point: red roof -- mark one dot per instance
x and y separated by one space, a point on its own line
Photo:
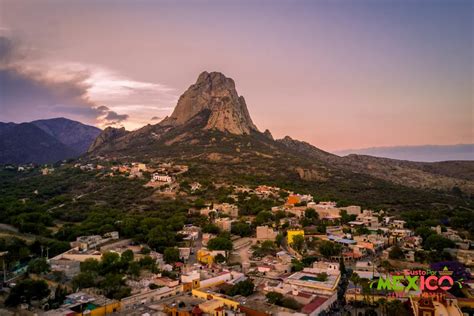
304 294
318 301
196 310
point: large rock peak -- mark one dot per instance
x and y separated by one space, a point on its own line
215 92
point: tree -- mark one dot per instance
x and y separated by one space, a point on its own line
322 277
396 253
241 228
114 286
311 213
355 279
244 288
134 269
26 291
342 266
210 229
279 239
362 230
38 266
438 243
396 308
274 298
110 262
290 303
147 262
329 249
424 232
84 280
382 302
127 256
219 258
91 265
263 218
220 243
298 242
296 265
171 255
346 218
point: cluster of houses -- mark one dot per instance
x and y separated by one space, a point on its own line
201 279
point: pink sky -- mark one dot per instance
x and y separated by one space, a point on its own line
336 74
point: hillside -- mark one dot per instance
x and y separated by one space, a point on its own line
71 133
232 149
44 141
25 143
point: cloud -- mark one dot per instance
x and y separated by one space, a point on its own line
156 118
33 89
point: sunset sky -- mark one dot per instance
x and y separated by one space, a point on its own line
338 74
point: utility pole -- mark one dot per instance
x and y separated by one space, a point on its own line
2 254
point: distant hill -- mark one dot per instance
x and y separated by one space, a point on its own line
424 153
74 134
44 141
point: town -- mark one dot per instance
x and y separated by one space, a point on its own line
294 255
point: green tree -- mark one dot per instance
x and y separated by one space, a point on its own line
296 265
84 280
90 265
171 255
127 256
290 303
219 258
329 249
244 288
279 239
298 243
242 229
38 266
355 279
26 291
134 269
210 229
263 218
396 253
322 277
424 232
274 298
438 243
311 213
396 308
110 262
114 286
220 243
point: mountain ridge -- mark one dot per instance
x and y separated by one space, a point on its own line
44 141
420 153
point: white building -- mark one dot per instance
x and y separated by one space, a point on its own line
161 178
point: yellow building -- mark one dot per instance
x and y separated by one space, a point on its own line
205 256
292 234
84 304
215 296
109 308
213 307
